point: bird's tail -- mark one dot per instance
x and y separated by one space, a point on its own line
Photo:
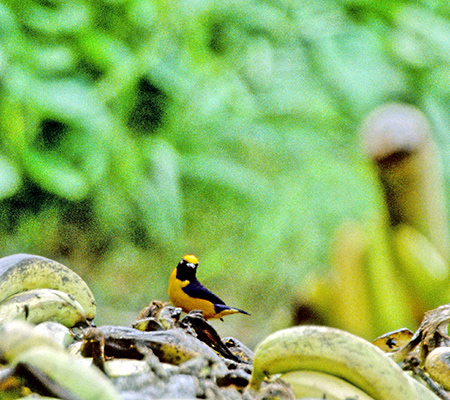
241 311
222 310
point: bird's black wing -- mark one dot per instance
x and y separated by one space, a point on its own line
197 290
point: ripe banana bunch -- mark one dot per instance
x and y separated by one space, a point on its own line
37 289
324 362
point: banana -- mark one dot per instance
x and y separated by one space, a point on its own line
351 308
58 332
85 382
335 352
322 386
41 305
438 366
422 265
22 272
389 295
21 343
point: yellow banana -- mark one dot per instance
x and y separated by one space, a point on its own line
41 305
422 264
335 352
389 296
351 308
22 272
320 385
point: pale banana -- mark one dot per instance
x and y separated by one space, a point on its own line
58 332
22 272
85 382
322 386
335 352
21 343
39 305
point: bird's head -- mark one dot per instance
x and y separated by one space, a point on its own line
187 267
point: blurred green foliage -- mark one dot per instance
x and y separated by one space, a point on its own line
135 131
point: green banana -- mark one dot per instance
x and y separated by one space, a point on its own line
41 305
422 265
322 386
22 272
335 352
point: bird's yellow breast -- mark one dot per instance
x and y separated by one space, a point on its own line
187 303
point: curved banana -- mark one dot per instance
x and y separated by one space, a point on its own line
41 305
85 382
322 386
22 272
20 342
335 352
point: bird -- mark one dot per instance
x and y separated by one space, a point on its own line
186 292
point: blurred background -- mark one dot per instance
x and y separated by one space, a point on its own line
133 132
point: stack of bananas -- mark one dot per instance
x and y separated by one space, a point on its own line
387 271
36 289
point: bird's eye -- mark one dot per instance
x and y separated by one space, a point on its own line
191 265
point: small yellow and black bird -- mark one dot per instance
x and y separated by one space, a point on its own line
186 292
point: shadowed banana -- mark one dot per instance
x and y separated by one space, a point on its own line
21 343
322 386
387 292
351 306
22 272
335 352
437 364
41 305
